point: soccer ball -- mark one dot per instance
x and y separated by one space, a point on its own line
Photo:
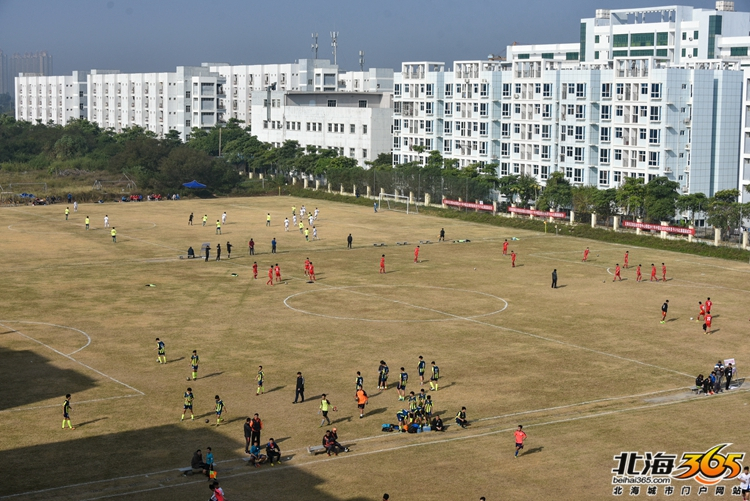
335 409
475 269
206 420
188 379
691 318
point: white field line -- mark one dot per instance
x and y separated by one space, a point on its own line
73 359
88 339
405 446
536 336
78 402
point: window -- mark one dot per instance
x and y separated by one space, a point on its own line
606 112
618 132
644 89
483 110
428 92
580 111
642 40
482 129
654 136
581 90
505 130
483 147
695 35
604 134
518 88
364 153
578 175
606 91
504 169
517 109
653 158
641 156
738 51
545 172
428 108
644 111
364 129
352 129
604 156
506 109
618 111
187 124
580 134
363 103
448 90
578 154
618 156
655 91
396 125
604 177
428 126
330 127
545 152
397 89
447 146
620 89
516 148
331 103
545 131
537 88
449 109
547 111
695 52
620 41
506 90
516 128
683 52
596 38
352 152
655 115
642 134
662 38
187 94
448 127
505 149
684 35
547 90
265 124
187 108
484 90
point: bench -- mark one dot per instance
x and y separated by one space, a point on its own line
425 242
315 449
190 471
402 243
463 241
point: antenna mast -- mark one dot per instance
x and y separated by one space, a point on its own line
334 44
361 60
315 44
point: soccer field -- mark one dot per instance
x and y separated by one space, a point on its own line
587 368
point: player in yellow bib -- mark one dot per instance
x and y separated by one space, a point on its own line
113 232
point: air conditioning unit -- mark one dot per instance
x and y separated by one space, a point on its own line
686 121
690 38
619 97
516 96
690 55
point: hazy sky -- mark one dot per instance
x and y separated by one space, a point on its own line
158 35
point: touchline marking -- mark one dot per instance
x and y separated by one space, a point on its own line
72 359
78 402
407 446
88 339
346 287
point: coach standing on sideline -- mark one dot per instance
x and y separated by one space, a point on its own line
349 241
554 278
299 391
248 434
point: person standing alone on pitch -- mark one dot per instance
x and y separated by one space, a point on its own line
113 233
638 275
325 406
190 219
513 259
663 272
218 227
260 378
161 351
299 391
205 219
416 254
520 436
382 263
709 304
442 235
194 361
67 213
627 259
585 255
277 272
106 221
617 273
420 369
273 245
229 250
664 309
554 278
349 241
361 399
251 247
505 247
66 413
87 222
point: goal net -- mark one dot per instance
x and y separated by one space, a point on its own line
399 203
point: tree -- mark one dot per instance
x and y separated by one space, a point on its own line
384 161
660 199
519 188
691 204
558 193
585 199
631 196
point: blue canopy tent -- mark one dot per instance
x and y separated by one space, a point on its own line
194 184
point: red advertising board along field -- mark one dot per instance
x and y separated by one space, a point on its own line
540 213
468 205
658 227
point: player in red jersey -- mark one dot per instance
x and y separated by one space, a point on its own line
277 270
701 311
270 276
307 266
627 258
653 273
638 276
585 254
513 259
617 273
255 269
416 254
382 263
663 272
505 247
707 323
520 436
709 304
311 270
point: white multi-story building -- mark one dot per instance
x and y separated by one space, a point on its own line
356 124
160 102
306 75
55 99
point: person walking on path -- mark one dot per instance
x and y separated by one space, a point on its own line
554 278
299 391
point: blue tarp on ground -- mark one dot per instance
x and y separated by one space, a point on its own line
194 184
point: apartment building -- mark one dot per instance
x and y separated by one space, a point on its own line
356 124
29 63
160 102
306 75
55 99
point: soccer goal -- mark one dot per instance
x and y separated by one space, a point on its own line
399 203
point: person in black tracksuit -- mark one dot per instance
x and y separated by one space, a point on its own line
248 434
349 241
300 388
554 278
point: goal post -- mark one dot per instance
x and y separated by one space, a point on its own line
398 203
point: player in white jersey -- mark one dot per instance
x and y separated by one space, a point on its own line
286 224
106 221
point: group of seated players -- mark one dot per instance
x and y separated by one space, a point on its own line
419 414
